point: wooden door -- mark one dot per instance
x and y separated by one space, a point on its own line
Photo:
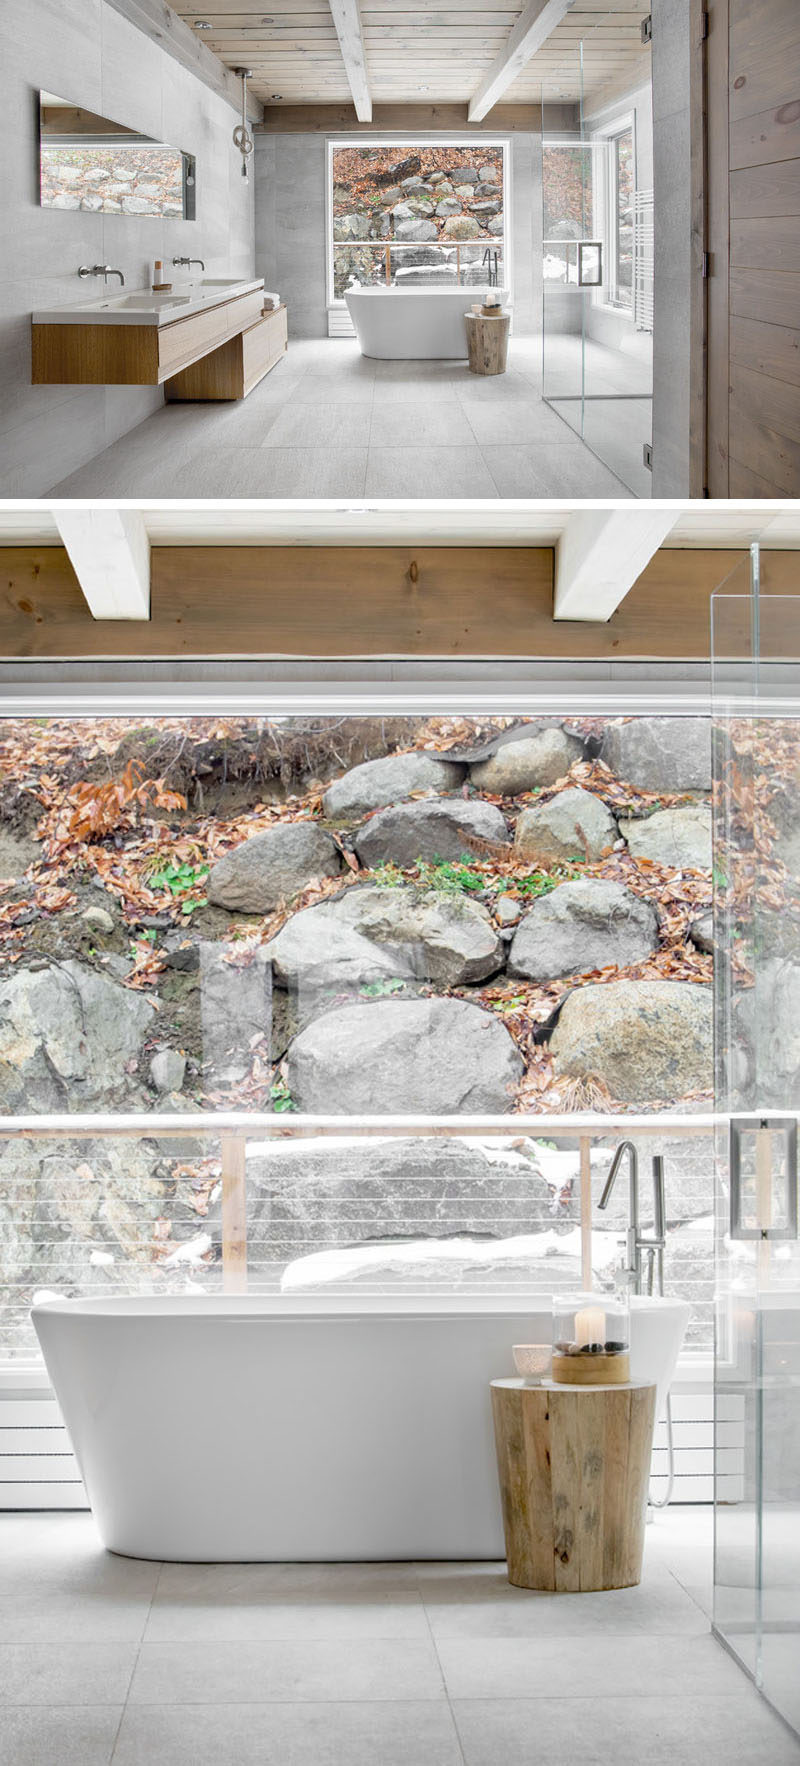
753 167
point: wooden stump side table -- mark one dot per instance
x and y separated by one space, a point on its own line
487 343
574 1466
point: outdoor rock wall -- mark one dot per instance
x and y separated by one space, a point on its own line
472 918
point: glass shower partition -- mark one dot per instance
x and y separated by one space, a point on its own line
756 679
597 271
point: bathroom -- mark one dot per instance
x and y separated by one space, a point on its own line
397 1062
598 226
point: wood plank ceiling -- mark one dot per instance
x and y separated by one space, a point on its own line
422 51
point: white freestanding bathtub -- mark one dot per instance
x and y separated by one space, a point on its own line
249 1429
412 324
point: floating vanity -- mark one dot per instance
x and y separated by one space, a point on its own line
147 339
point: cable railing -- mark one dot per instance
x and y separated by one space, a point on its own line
392 263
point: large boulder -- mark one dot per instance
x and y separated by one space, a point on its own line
446 939
572 825
236 1007
525 759
583 926
67 1034
273 867
318 953
660 753
397 1057
680 837
378 782
306 1196
436 827
648 1041
461 227
416 230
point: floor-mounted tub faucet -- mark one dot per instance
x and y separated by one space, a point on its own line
637 1244
186 263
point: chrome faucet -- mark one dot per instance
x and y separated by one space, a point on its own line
637 1244
186 263
103 270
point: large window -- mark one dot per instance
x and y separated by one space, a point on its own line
408 213
345 917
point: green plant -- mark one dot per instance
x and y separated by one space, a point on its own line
388 876
536 883
280 1097
377 989
178 879
448 878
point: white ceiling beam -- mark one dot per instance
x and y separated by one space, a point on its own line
349 30
110 554
600 554
531 30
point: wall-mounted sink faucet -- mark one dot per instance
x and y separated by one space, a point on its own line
103 270
637 1244
186 263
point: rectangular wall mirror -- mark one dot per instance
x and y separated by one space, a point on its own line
87 162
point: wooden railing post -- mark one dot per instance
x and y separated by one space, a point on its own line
234 1214
586 1212
388 259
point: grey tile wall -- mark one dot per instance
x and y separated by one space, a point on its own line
83 50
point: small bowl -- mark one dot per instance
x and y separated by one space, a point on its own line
533 1361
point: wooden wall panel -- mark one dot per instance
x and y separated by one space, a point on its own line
452 602
754 233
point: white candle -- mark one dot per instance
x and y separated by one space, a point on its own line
590 1327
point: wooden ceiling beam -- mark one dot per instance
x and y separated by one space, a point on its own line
531 30
349 30
109 551
159 22
600 555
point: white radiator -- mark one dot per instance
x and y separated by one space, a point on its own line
340 323
643 258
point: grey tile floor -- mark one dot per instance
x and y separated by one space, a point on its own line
328 422
106 1659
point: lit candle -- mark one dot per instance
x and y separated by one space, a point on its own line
590 1327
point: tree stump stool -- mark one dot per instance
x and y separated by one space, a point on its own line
487 343
574 1465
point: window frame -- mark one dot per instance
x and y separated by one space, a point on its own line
333 143
605 181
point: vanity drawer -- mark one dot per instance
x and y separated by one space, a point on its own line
262 346
232 370
185 339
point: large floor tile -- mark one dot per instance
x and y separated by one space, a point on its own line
287 1735
334 389
58 1584
428 472
420 423
272 472
516 420
544 1667
538 470
478 1601
715 1731
246 1673
65 1673
204 1602
58 1736
490 389
337 427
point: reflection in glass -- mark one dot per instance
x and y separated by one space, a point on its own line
89 163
